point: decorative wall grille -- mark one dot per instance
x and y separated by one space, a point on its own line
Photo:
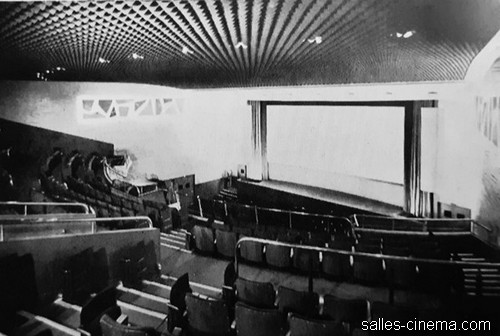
120 108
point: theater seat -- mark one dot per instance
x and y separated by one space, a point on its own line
252 251
204 239
226 242
299 302
252 321
301 326
207 316
368 270
103 303
257 294
112 328
351 311
337 266
177 305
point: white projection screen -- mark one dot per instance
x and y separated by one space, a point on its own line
357 150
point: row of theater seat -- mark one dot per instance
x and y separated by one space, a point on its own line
243 215
258 309
340 267
107 204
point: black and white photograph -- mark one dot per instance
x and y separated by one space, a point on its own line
249 167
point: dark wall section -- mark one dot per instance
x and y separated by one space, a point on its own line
208 190
31 146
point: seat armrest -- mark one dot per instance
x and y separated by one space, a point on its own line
83 332
122 319
171 306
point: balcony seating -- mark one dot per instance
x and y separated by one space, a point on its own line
257 294
252 321
207 316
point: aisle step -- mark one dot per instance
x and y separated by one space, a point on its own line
142 299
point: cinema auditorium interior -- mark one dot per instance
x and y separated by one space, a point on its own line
249 167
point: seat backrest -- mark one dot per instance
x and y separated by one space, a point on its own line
92 311
226 242
300 302
204 238
301 326
207 316
112 328
252 321
353 311
258 294
179 290
278 256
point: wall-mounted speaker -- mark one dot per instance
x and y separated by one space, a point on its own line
242 171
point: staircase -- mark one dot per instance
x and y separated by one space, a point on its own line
479 281
228 194
175 239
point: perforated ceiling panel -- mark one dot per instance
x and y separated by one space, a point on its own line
218 43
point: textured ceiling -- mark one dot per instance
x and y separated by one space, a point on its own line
219 43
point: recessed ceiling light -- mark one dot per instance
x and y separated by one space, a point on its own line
186 51
317 39
137 56
102 60
240 45
408 34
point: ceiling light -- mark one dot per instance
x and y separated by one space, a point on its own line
241 45
408 34
102 60
317 39
185 50
137 56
